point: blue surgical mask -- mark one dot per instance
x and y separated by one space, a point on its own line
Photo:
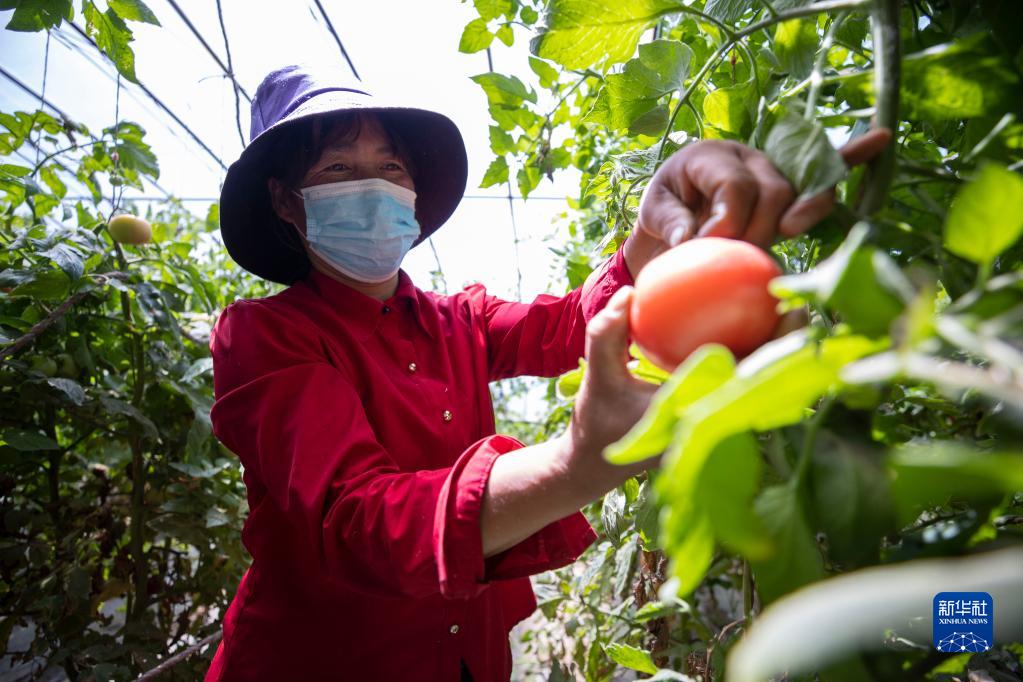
363 228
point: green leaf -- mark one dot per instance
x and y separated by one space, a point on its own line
568 384
631 657
527 179
725 491
506 35
690 543
850 499
113 406
475 37
612 515
493 9
501 142
14 171
497 173
945 82
133 10
506 90
986 216
112 36
47 285
795 560
929 475
72 390
647 514
135 154
548 74
642 368
795 45
584 33
701 373
68 258
27 441
730 109
729 11
801 151
38 15
660 69
48 174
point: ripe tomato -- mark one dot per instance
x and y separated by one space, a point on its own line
706 290
129 229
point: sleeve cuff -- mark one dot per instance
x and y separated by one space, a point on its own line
457 538
462 570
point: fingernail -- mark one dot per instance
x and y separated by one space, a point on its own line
677 235
719 210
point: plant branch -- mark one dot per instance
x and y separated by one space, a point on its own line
42 325
887 79
179 657
48 321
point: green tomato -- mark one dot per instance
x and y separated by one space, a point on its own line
129 229
45 365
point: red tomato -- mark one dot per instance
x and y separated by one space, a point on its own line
706 290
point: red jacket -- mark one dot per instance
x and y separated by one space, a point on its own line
366 432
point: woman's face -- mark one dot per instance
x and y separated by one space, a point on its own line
371 154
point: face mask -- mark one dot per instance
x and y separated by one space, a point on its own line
363 228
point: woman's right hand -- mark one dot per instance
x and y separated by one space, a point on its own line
609 402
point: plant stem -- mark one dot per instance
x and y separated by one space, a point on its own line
817 76
136 530
887 80
747 592
810 439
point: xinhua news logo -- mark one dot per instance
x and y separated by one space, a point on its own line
963 622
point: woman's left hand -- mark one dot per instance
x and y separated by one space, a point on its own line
726 189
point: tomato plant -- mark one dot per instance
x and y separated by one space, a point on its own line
870 440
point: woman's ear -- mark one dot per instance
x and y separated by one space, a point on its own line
286 204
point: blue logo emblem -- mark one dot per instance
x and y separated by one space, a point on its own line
963 622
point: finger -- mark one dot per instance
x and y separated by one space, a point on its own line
806 213
663 215
774 196
607 340
865 147
731 190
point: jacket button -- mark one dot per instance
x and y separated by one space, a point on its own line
447 416
412 368
386 309
453 629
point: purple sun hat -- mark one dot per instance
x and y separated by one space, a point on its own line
249 226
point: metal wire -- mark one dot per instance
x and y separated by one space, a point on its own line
228 71
337 39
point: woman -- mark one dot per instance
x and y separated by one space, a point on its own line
392 532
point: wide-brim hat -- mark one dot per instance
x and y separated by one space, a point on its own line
248 223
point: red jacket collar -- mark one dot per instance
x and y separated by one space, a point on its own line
365 311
